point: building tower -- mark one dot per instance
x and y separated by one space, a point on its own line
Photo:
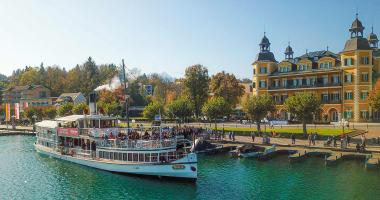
289 52
372 39
357 67
264 64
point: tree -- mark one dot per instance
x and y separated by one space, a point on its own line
196 84
50 112
227 86
80 109
258 106
153 109
181 108
215 108
374 97
33 111
65 109
29 77
109 102
305 106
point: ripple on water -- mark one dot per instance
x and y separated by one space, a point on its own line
27 175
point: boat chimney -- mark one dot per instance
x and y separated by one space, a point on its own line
92 103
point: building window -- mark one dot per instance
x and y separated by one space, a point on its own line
325 97
348 78
303 67
254 71
335 97
263 70
348 96
325 80
364 114
294 82
348 61
348 114
365 60
277 83
262 84
253 84
284 83
365 77
335 79
364 95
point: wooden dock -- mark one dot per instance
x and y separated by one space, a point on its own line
330 155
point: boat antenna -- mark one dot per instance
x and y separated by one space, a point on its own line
125 95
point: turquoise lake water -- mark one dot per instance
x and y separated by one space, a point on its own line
24 174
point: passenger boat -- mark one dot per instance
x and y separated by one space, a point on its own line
97 141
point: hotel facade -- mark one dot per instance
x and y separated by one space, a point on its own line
341 80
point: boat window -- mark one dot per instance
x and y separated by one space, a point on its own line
135 157
141 157
163 157
129 156
111 156
106 155
100 154
147 157
153 157
125 156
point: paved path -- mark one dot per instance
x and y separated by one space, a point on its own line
299 142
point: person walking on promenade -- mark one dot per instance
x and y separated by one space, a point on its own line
253 136
233 136
293 137
309 138
230 135
315 136
363 140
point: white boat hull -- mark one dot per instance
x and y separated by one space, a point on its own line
187 165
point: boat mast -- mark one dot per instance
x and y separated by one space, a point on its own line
125 95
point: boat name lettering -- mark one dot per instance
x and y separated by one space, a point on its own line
67 132
178 166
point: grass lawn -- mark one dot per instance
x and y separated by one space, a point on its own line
278 130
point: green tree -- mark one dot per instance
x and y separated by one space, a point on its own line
374 97
50 112
305 106
153 109
227 86
33 111
65 109
81 109
257 107
215 108
110 108
196 84
181 108
29 77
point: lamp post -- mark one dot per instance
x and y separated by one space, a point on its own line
34 117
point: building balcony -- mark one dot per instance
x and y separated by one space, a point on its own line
331 101
317 85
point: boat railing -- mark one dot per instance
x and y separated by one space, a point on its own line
75 152
137 144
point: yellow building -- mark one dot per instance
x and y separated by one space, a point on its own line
342 81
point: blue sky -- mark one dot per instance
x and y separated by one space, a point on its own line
169 35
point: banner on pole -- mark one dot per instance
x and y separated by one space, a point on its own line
7 112
17 111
